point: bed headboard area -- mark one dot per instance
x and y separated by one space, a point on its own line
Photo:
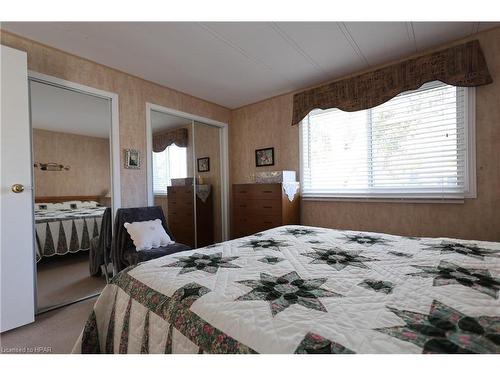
83 198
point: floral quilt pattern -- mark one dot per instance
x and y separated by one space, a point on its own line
445 330
305 290
286 290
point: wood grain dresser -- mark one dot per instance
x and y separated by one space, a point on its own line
257 207
180 217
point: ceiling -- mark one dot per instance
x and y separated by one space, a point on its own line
238 63
57 109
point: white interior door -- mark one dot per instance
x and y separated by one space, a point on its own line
17 300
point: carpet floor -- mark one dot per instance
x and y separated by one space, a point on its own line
65 278
60 279
55 331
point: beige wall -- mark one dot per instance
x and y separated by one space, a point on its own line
267 123
88 158
133 94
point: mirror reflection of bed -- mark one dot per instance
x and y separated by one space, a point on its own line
72 191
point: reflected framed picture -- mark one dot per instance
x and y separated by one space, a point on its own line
264 157
132 159
203 164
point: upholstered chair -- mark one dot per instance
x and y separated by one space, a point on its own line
123 251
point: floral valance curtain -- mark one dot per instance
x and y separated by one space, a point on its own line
176 136
461 65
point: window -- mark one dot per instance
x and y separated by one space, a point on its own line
417 145
168 164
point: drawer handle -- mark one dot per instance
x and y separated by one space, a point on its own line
267 191
268 222
243 205
267 207
242 191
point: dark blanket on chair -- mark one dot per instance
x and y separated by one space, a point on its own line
123 251
101 246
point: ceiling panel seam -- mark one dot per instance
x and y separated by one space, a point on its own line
243 52
343 27
292 42
411 34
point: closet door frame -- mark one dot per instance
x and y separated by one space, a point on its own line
114 148
224 152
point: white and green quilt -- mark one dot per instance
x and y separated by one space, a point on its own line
297 289
63 231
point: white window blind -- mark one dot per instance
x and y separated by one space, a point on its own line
168 164
416 145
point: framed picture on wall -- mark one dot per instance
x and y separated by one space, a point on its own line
264 157
132 159
203 164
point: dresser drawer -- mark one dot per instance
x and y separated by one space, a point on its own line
180 215
259 207
180 229
180 205
180 193
180 189
183 235
257 191
180 198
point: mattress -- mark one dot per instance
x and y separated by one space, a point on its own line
63 231
298 289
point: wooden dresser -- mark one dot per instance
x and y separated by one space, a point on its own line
180 216
257 207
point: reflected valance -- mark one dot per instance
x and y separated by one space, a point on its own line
461 65
162 140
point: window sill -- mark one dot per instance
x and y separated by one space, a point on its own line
426 200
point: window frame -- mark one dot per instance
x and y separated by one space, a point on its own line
470 188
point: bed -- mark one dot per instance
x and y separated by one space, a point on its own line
64 225
298 289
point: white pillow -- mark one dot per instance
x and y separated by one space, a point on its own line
88 204
57 207
75 204
148 235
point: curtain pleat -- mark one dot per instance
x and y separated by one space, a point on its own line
162 140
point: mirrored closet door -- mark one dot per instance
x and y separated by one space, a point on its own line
187 177
208 184
72 192
173 173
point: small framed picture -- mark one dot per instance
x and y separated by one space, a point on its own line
132 159
203 164
264 157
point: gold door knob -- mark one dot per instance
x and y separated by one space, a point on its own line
17 188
